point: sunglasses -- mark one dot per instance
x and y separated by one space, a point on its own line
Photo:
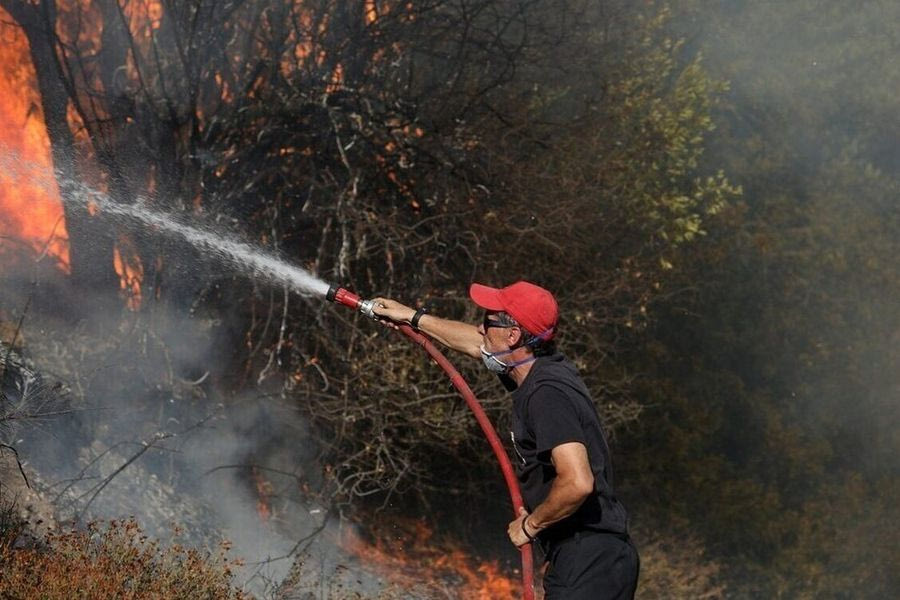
488 322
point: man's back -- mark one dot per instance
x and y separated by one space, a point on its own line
590 554
551 407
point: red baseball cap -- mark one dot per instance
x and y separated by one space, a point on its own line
533 307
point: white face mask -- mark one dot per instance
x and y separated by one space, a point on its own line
492 363
495 365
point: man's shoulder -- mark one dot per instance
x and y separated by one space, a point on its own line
554 366
552 378
558 386
557 371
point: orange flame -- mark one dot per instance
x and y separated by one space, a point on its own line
263 493
30 206
337 79
371 11
413 556
128 266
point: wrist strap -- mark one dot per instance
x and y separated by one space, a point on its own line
414 322
531 538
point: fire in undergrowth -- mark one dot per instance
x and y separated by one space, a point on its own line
412 558
264 490
31 212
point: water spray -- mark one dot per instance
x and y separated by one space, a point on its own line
339 295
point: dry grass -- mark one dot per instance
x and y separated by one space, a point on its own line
111 561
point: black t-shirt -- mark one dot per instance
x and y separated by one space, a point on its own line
552 407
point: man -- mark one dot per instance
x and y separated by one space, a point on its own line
562 458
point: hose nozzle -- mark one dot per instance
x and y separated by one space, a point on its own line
351 300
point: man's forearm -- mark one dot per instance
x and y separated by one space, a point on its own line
456 335
563 500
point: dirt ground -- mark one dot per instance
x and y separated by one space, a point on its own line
30 506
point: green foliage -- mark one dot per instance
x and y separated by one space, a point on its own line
658 113
771 406
600 209
771 381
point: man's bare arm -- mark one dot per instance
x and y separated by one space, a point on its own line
574 482
456 335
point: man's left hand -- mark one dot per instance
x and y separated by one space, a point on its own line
516 533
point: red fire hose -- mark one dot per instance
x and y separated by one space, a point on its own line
353 301
493 439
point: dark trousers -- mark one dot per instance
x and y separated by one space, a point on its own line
591 566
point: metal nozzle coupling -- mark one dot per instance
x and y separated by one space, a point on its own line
367 307
351 300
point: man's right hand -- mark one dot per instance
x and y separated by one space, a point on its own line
393 312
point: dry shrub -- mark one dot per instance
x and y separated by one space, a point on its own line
114 561
676 565
11 524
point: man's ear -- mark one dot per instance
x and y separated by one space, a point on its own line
514 337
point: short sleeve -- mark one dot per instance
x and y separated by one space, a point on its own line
555 419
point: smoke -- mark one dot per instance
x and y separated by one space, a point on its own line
805 298
808 129
139 440
143 426
818 73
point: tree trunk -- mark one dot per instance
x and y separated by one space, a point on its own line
90 242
